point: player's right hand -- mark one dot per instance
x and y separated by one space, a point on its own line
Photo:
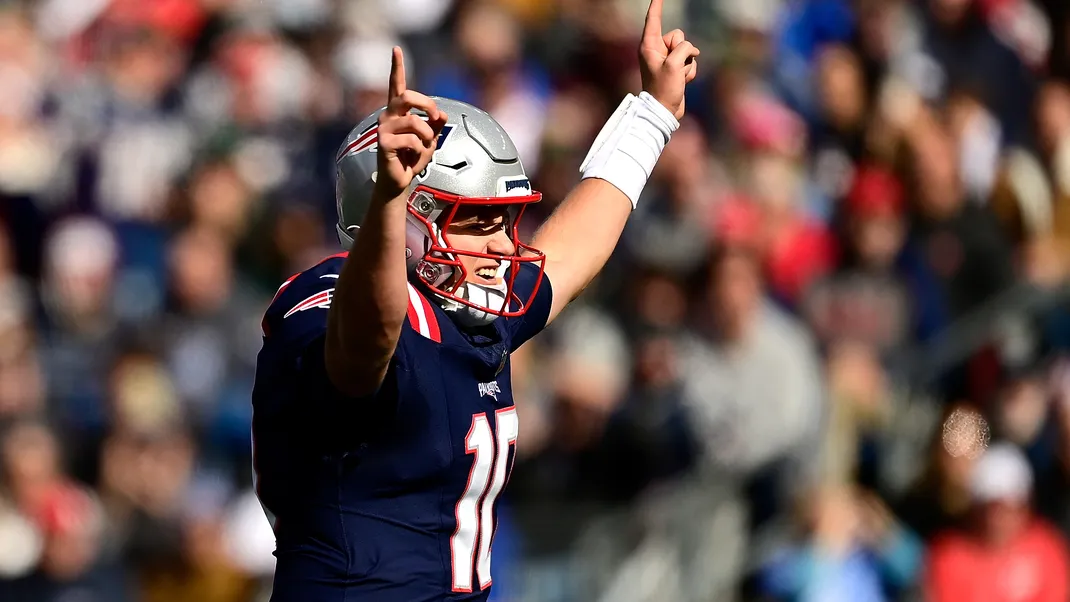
406 141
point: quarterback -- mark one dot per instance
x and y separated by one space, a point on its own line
384 427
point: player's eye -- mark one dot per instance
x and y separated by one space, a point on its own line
492 225
482 224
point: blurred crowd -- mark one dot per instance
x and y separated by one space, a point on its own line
827 362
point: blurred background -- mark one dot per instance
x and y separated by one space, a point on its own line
828 361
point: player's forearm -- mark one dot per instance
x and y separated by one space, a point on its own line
580 236
370 301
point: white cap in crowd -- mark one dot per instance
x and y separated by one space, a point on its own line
1001 474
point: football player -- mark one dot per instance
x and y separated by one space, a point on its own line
384 426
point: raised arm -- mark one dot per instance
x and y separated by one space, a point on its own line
371 295
583 231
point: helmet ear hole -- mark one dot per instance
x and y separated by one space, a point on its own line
423 203
431 272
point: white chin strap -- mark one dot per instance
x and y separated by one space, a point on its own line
491 297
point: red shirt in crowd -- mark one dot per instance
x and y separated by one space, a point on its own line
1035 567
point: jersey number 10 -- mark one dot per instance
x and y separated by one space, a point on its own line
475 509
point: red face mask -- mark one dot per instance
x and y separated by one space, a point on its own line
442 257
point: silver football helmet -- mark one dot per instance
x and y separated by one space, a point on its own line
475 163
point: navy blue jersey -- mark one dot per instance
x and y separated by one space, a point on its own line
389 497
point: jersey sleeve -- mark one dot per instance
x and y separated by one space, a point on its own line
298 413
531 323
295 328
297 315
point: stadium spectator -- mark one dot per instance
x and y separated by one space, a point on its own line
1007 553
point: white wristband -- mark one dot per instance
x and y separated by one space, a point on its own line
629 145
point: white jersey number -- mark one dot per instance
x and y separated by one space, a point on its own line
475 509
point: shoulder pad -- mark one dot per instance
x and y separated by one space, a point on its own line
308 292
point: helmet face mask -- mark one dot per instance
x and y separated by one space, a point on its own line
475 165
439 267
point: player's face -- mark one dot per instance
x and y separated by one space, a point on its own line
482 229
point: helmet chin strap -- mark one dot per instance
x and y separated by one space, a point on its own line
491 297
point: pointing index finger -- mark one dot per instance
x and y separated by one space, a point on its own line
652 28
397 74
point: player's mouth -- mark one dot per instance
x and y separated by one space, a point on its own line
487 275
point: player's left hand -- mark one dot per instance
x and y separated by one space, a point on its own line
667 62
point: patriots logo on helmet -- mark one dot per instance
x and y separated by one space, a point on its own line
445 133
321 300
368 140
446 129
